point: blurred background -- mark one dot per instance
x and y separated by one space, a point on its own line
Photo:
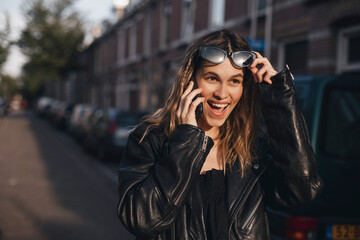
77 75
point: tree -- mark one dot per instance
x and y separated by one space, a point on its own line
53 35
4 41
8 86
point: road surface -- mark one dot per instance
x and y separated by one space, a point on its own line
50 188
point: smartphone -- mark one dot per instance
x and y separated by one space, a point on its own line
200 107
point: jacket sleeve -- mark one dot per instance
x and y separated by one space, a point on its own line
155 176
291 179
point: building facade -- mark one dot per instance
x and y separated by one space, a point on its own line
133 65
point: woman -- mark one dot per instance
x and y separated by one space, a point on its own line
192 174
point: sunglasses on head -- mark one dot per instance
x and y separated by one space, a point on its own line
217 55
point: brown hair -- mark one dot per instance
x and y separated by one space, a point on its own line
238 133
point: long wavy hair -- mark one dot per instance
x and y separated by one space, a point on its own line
237 135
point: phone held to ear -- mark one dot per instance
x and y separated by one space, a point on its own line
200 107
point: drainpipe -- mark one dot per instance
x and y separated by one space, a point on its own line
148 66
268 28
254 17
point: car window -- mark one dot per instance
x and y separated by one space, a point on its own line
341 123
304 101
302 93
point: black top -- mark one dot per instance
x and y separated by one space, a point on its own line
214 205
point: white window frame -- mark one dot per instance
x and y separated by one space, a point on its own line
217 13
166 9
342 50
187 19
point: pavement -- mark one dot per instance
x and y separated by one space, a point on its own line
50 188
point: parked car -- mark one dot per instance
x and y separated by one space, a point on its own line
331 106
62 116
43 105
85 122
52 110
75 119
115 138
3 107
98 131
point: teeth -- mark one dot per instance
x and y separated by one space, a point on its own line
219 105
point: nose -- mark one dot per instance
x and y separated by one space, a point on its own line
221 91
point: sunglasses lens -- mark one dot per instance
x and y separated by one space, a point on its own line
243 59
212 54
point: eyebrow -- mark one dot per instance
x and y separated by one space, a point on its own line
233 76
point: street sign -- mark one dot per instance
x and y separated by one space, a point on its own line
256 44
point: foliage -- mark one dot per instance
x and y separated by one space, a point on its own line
4 41
53 35
8 86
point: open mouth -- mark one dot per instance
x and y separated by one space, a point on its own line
217 107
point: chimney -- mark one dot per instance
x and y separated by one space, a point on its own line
119 7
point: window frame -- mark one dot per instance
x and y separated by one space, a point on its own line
324 116
166 9
342 50
281 50
212 21
187 19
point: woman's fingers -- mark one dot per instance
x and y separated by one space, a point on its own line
191 116
186 109
190 97
262 69
183 96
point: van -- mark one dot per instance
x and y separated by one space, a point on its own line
331 107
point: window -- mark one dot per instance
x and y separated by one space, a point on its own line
164 30
132 40
256 7
341 122
217 13
147 32
348 50
121 45
262 4
187 26
295 55
354 49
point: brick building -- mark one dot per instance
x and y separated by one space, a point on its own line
133 64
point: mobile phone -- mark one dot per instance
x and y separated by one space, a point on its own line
200 107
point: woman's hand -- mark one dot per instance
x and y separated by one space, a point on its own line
265 72
186 108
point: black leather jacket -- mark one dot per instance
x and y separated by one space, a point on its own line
157 175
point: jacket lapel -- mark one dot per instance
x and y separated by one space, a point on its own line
238 187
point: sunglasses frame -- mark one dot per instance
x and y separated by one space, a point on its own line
226 54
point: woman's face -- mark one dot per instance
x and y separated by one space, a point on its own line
222 88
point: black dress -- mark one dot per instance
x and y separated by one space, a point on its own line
213 197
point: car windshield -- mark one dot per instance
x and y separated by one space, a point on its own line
341 120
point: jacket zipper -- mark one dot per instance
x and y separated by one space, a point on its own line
202 150
251 215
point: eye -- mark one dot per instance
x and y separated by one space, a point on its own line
235 81
211 78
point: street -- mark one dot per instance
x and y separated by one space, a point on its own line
50 188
